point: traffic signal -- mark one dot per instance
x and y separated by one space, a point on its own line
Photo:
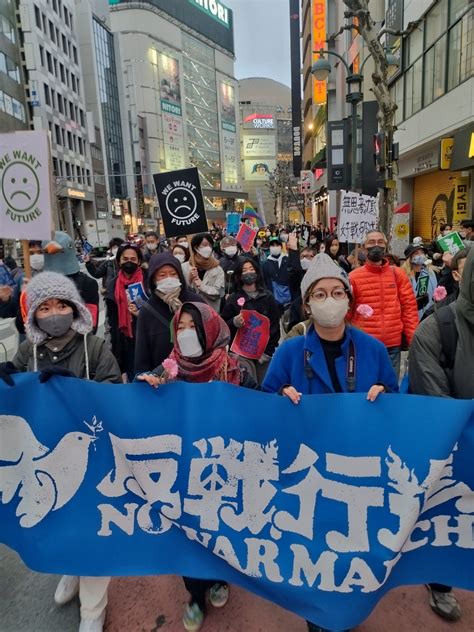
380 150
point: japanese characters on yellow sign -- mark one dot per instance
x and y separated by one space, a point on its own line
319 37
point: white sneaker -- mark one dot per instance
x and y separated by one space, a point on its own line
92 625
67 589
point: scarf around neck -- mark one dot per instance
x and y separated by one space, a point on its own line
121 298
205 264
171 299
215 363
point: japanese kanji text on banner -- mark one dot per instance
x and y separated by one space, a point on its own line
25 186
358 214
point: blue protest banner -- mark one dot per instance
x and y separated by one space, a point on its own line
320 507
233 223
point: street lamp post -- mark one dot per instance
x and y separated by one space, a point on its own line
321 70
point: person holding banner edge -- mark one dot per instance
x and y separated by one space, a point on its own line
332 357
200 355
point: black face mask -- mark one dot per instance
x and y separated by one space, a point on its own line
129 267
249 278
375 253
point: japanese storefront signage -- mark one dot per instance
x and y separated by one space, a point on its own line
319 42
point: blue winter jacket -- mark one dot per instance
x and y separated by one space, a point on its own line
287 367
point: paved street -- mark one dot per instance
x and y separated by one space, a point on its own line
156 603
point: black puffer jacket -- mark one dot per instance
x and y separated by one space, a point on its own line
153 337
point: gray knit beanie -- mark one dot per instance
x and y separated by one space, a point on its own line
323 267
45 286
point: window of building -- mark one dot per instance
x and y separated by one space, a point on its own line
58 36
52 34
55 6
61 72
37 17
461 51
66 16
7 28
60 104
55 64
47 95
63 133
41 50
64 43
55 166
68 169
82 118
73 81
67 78
57 132
45 24
69 140
53 98
74 54
49 62
18 110
81 151
436 22
78 83
435 71
71 110
413 88
88 178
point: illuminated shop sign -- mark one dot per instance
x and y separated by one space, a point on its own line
260 121
215 9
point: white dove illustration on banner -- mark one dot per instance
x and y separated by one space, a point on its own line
45 479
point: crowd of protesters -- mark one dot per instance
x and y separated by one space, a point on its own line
325 303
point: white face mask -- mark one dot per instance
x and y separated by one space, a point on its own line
113 252
184 243
205 251
180 257
305 263
313 241
152 246
275 251
329 313
284 237
37 262
168 285
189 344
230 251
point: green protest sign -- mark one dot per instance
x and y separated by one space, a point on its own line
451 243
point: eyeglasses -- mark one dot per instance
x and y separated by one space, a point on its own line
319 296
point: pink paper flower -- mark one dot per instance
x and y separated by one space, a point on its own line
365 311
171 368
440 293
241 301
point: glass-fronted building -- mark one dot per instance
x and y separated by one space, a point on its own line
178 66
13 114
110 105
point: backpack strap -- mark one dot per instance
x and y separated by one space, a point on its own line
449 335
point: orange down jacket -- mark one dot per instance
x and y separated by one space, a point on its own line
388 291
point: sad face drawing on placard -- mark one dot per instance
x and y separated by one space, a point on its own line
20 186
181 203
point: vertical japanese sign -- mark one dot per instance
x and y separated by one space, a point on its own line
173 140
229 137
394 22
357 215
25 186
170 87
319 41
296 84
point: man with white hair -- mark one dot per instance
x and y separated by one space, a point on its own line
229 261
388 291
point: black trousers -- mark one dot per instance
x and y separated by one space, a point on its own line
197 588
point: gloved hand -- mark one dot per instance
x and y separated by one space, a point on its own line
7 369
48 373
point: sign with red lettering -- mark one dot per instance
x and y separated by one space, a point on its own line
246 237
252 339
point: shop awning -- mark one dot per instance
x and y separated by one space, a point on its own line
463 150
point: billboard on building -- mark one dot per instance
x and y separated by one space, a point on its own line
296 85
319 42
211 18
259 120
259 169
227 107
230 159
173 140
170 87
255 145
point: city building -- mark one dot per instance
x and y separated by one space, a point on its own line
267 135
13 111
100 62
180 97
434 91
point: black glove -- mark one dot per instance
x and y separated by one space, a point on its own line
7 369
48 373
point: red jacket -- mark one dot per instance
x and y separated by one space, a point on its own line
388 291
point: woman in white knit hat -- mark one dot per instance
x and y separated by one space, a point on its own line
332 357
59 340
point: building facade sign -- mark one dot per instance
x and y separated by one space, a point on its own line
319 42
463 150
446 151
170 87
215 9
259 170
228 107
256 145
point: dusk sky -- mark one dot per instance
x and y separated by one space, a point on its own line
262 38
